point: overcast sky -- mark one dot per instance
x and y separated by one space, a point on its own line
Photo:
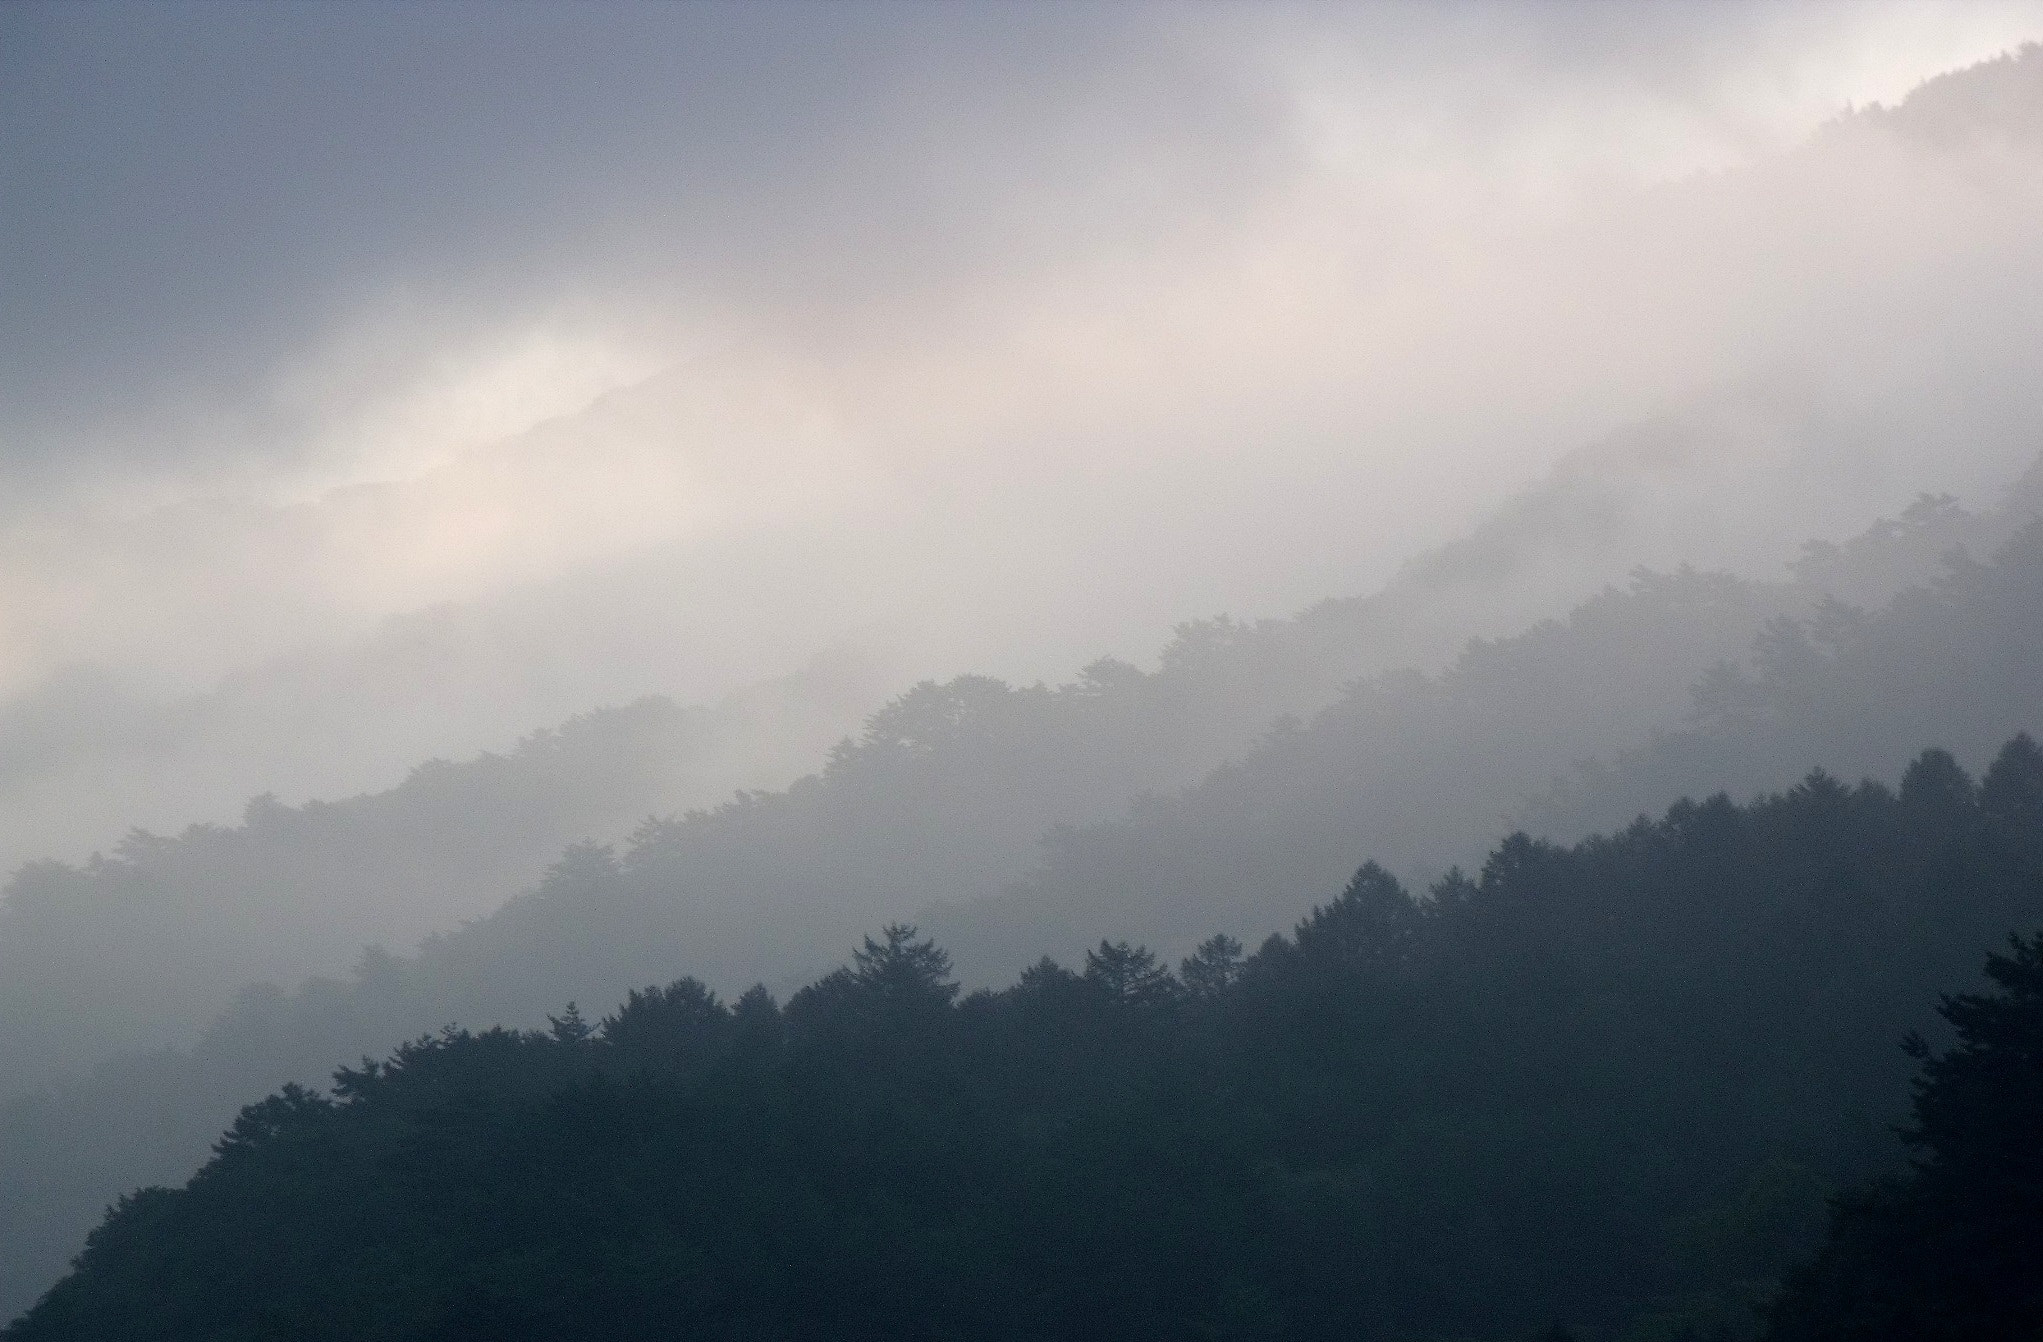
704 338
201 200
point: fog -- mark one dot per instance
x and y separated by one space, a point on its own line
385 384
509 503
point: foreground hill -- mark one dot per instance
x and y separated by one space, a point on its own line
946 796
1607 1083
1948 1251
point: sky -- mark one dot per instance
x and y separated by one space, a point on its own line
385 381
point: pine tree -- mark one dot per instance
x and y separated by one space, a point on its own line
1952 1251
1129 973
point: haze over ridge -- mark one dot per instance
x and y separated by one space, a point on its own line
1012 470
1573 409
1262 838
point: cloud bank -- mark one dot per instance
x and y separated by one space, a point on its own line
658 349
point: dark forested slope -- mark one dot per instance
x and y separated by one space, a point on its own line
947 795
1948 1250
1607 1083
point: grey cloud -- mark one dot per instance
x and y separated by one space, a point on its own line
198 185
997 337
193 189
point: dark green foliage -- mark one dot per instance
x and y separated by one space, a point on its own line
2013 790
1610 1084
947 797
1129 974
1954 1250
1213 968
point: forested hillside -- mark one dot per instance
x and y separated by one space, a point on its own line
140 947
947 796
1323 599
1607 1084
1385 769
1955 660
950 790
1947 1250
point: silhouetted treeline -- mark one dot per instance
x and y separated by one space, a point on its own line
951 786
142 946
1953 660
1609 1084
1948 1252
1419 767
946 796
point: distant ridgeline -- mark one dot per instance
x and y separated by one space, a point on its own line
939 814
945 798
1608 1085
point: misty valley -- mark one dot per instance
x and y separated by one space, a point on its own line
589 798
1611 1083
1614 1083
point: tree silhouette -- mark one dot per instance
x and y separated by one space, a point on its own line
1609 1082
900 968
2012 791
1129 974
569 1028
1213 968
1952 1250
